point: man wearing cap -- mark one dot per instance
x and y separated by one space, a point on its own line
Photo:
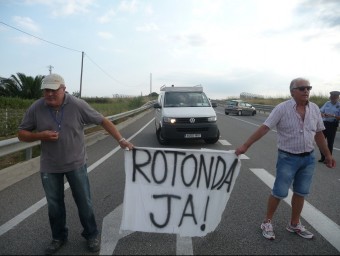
330 113
58 120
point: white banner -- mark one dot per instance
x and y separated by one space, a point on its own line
177 191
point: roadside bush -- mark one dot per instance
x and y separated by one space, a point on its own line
14 103
136 102
13 109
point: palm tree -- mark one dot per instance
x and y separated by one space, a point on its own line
22 86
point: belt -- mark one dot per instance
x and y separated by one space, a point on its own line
300 154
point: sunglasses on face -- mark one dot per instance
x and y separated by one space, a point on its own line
48 91
303 88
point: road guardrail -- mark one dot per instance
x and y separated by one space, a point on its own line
259 107
263 108
14 145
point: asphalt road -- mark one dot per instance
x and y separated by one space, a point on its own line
24 227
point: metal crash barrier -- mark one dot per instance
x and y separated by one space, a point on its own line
13 145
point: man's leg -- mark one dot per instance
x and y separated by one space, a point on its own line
295 225
53 184
297 205
272 205
331 137
301 187
80 187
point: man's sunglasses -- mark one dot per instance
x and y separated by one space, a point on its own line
302 88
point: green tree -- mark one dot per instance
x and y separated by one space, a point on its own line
21 86
76 94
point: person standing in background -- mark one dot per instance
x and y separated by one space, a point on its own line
330 113
58 120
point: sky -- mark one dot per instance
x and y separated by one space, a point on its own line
133 47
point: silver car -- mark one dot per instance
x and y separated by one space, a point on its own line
239 107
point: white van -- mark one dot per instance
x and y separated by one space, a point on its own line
185 113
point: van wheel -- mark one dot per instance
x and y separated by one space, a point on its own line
239 113
227 113
160 138
213 140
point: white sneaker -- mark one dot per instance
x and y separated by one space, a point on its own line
267 230
300 230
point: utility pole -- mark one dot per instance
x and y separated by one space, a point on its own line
50 68
150 83
81 73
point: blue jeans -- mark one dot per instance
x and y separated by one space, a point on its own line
298 170
53 184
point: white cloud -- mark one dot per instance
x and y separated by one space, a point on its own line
26 23
149 10
128 6
70 7
105 35
255 46
28 40
147 27
207 8
107 17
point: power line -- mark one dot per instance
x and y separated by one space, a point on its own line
39 38
105 71
67 49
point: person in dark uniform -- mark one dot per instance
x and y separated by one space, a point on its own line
330 113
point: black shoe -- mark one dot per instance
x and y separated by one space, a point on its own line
54 246
321 160
93 245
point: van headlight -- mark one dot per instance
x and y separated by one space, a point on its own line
212 119
169 120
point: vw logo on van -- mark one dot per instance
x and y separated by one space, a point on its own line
192 120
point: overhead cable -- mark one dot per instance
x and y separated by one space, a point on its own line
39 38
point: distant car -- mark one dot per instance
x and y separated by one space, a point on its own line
239 107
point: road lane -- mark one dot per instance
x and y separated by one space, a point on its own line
238 232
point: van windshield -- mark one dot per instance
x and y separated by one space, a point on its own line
186 99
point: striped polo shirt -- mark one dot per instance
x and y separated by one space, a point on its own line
294 134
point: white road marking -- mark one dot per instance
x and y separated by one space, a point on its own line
184 246
324 225
224 142
111 234
111 223
34 208
243 157
22 216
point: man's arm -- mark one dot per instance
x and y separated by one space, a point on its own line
258 134
28 136
111 128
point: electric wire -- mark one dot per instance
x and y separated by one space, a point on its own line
39 37
68 48
105 71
